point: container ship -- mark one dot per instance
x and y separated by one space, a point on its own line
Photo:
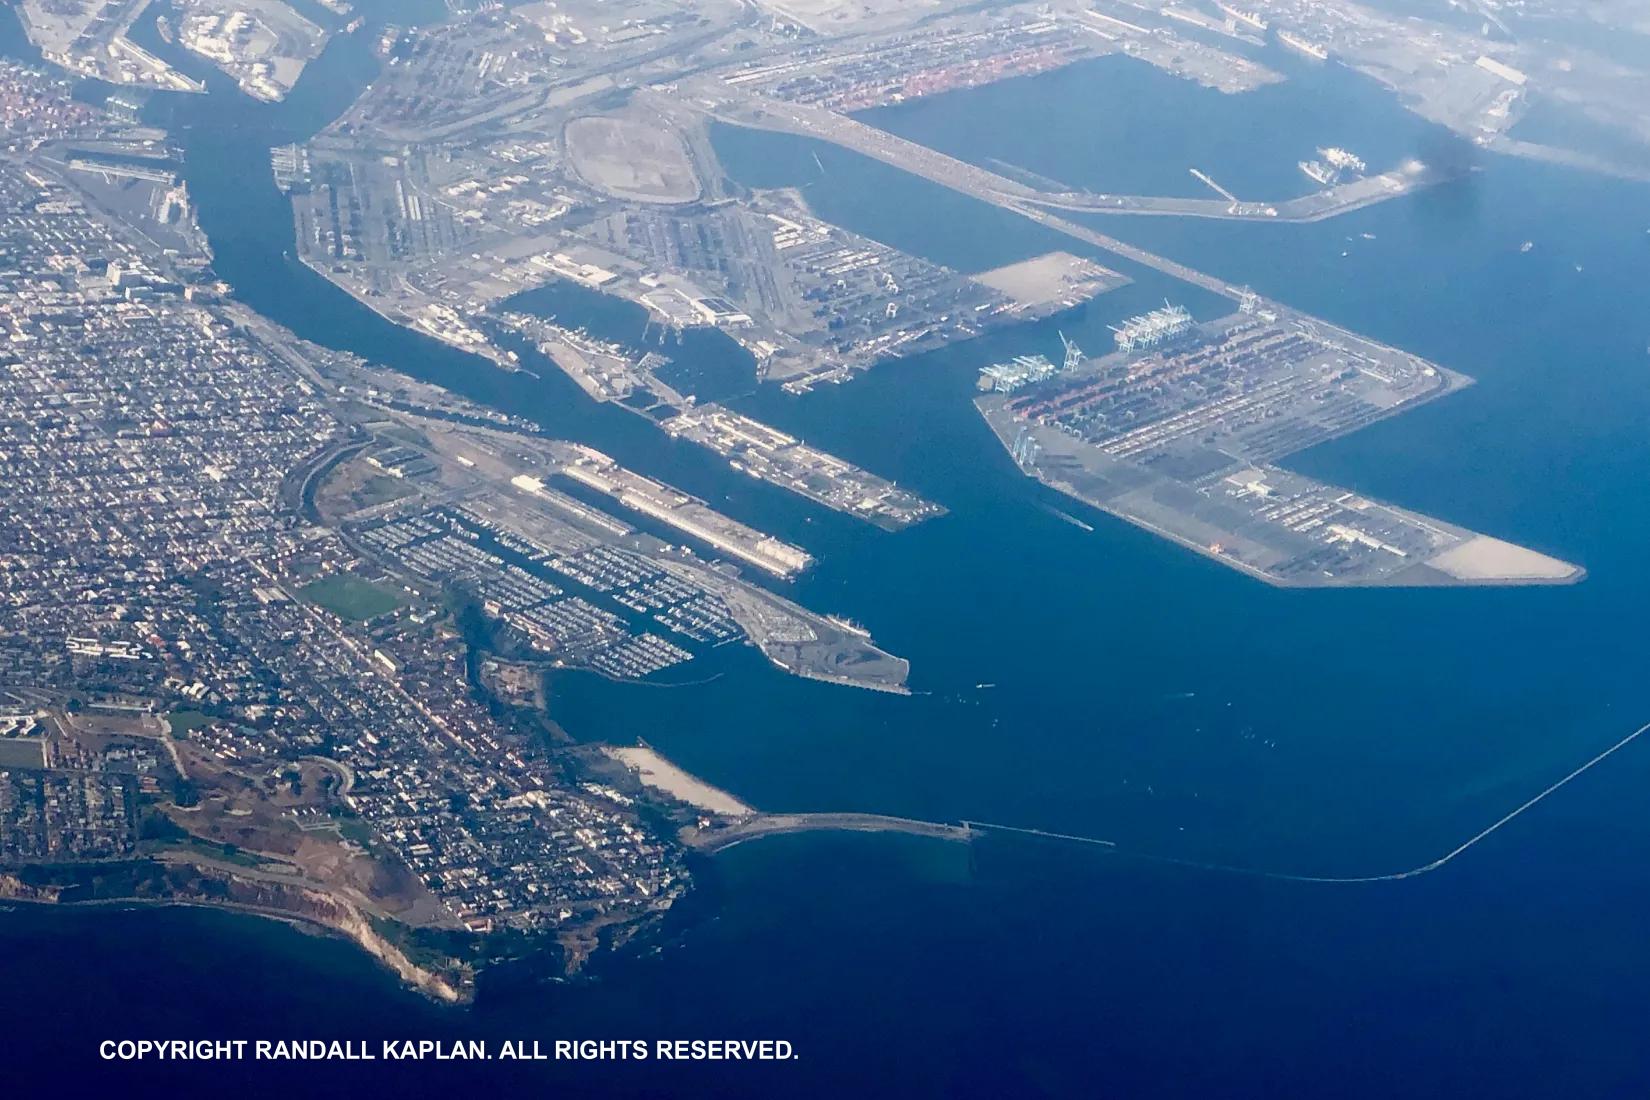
1238 15
1304 45
1334 163
1020 371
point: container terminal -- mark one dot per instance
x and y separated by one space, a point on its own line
1332 165
783 460
1179 431
611 373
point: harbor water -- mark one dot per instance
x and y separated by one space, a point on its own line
1082 678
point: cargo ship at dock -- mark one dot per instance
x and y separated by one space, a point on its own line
1304 45
1248 18
848 625
1333 165
1018 372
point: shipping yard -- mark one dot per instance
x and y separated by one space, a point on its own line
608 372
435 236
480 188
779 459
263 44
89 38
457 182
895 67
1180 429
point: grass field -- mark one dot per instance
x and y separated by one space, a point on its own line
22 752
354 829
185 721
194 845
351 597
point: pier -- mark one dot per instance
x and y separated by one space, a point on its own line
721 838
1203 177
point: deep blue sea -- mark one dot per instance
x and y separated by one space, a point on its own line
1138 693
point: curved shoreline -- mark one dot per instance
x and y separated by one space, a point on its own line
345 920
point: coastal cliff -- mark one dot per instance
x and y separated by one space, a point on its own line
146 881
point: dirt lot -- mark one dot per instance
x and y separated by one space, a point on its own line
630 158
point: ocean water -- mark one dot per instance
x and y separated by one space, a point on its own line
1098 683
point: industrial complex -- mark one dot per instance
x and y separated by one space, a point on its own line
284 626
1181 428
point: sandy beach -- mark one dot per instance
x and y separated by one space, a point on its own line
660 774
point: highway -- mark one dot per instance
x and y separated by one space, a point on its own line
757 112
1124 249
979 183
1318 206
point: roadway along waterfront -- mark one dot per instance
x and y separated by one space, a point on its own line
957 175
